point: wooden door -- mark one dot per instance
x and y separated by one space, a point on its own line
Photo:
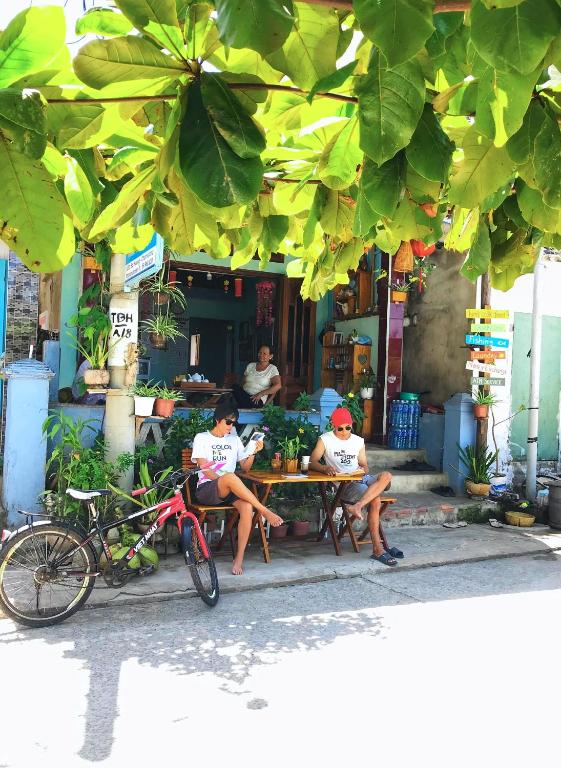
297 326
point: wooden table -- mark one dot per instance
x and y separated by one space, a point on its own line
211 391
262 480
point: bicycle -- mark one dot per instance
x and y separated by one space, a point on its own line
48 567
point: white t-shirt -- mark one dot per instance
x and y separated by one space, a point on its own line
342 455
227 450
256 381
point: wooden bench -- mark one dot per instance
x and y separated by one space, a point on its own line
364 536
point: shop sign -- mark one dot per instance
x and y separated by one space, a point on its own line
473 366
488 355
144 263
472 313
481 381
486 341
488 327
123 314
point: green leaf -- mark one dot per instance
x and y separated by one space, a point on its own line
199 27
410 222
126 160
274 231
511 259
30 42
123 59
501 3
398 27
340 161
337 216
463 230
430 150
54 162
331 82
22 119
348 256
420 189
516 37
520 146
445 24
547 161
535 211
291 200
78 192
249 97
390 103
230 119
121 208
33 215
215 173
482 171
104 22
158 19
262 25
479 255
379 191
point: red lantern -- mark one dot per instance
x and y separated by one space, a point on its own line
421 250
238 287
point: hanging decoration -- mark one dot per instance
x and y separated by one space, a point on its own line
404 258
422 250
264 303
189 281
238 287
226 286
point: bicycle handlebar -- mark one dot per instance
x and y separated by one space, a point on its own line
177 478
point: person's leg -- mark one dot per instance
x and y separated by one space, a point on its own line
242 398
244 530
374 526
231 483
372 492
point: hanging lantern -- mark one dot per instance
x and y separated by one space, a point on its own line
226 286
189 281
172 278
404 258
238 287
420 249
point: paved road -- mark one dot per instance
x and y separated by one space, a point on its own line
451 666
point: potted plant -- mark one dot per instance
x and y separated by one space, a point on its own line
184 430
481 402
164 289
165 401
478 464
367 382
92 342
298 518
144 397
290 448
160 328
399 291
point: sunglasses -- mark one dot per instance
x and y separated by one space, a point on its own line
346 428
229 422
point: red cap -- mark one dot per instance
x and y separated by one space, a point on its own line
341 416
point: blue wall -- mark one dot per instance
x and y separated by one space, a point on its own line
3 298
70 293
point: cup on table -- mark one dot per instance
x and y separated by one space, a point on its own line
304 463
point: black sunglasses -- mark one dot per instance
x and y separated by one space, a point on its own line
229 422
346 428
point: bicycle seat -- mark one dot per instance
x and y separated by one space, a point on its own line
86 495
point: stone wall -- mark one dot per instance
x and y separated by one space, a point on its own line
22 309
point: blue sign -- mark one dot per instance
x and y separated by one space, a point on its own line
486 341
144 263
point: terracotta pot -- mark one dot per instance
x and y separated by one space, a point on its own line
481 411
478 489
161 298
279 532
163 407
290 466
96 377
300 527
157 340
399 297
143 406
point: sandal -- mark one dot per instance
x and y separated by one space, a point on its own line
384 558
459 524
495 523
395 552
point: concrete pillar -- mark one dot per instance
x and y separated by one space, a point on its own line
70 293
51 358
25 448
325 400
459 429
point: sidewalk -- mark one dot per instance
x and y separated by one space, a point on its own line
307 562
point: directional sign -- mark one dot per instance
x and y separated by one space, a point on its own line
472 366
487 355
481 381
142 264
486 341
471 313
488 327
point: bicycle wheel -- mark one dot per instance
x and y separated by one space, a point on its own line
33 590
202 569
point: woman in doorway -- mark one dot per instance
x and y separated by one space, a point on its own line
217 452
261 382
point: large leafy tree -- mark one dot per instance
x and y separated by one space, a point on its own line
313 128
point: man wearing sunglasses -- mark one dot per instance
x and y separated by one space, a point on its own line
217 452
342 452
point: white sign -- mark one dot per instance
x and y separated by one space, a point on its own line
142 264
123 314
472 365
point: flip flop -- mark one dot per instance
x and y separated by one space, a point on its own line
495 523
459 524
384 558
395 552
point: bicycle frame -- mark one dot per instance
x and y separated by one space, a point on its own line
172 506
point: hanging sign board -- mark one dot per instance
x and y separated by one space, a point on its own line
144 263
473 366
481 381
488 355
473 313
489 327
123 314
486 341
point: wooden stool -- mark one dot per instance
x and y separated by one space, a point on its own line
146 424
364 537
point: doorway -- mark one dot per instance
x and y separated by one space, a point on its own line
216 347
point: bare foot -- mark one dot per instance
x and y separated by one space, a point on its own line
274 519
355 510
237 569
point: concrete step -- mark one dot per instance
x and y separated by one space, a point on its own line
380 457
419 509
414 482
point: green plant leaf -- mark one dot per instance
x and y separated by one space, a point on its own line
158 19
410 222
337 216
479 255
274 231
516 37
501 3
121 208
521 145
399 28
546 161
262 25
511 259
216 174
22 119
482 171
230 119
104 22
333 81
535 211
79 194
30 42
340 161
390 103
430 150
463 230
379 191
123 59
34 217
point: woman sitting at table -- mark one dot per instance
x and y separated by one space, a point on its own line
344 452
261 382
218 452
